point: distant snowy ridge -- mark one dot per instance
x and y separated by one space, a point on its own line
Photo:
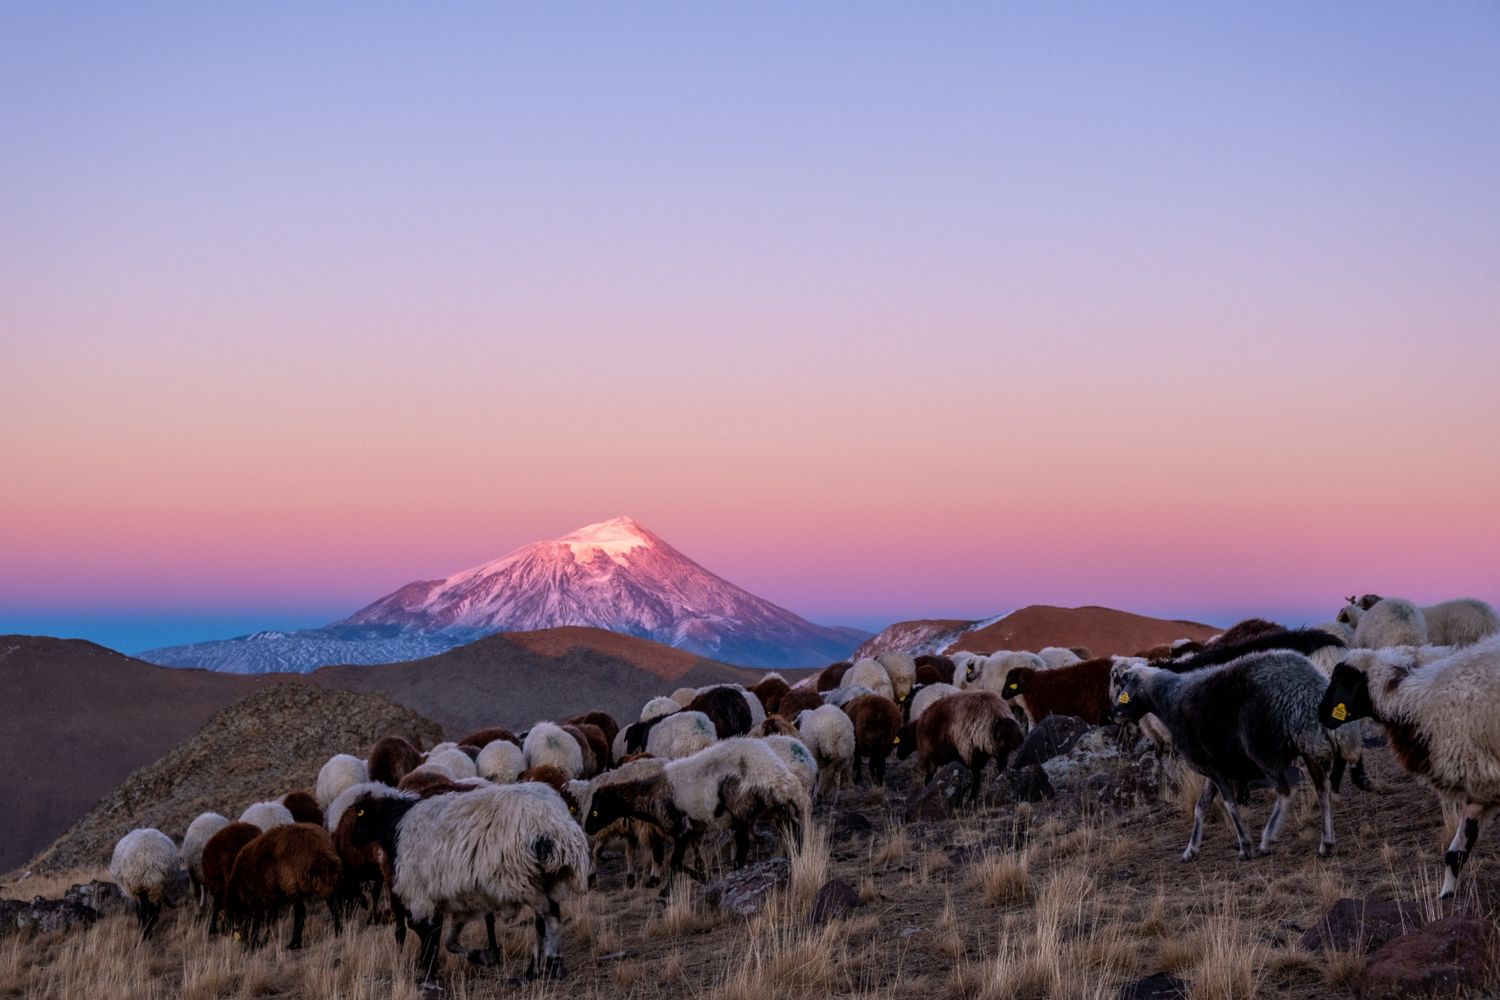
614 575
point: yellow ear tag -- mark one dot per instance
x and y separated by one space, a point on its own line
236 935
1340 712
1014 686
898 739
1124 698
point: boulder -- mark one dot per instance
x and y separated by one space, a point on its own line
1362 925
104 897
745 892
1444 958
1053 736
938 799
1025 784
836 899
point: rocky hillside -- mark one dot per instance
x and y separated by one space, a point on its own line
268 744
1104 631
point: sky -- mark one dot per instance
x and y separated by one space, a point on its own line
878 311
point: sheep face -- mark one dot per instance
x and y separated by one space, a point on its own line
1132 702
1347 697
974 669
1017 681
607 807
1350 615
375 819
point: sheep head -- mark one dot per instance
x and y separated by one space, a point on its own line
1347 697
1017 681
1132 700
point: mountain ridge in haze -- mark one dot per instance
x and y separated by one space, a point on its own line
614 574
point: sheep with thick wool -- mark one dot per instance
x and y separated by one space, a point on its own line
732 783
644 843
391 758
1241 721
681 735
728 708
497 849
548 744
971 727
933 668
148 868
901 667
877 726
828 733
501 762
338 773
1461 621
193 841
795 755
1080 690
218 864
989 674
868 673
844 695
1443 722
658 707
1391 622
454 761
303 807
284 866
770 689
267 815
1058 656
926 696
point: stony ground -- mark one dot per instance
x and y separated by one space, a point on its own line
1059 898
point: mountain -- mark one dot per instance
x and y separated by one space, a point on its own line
613 575
78 719
1105 631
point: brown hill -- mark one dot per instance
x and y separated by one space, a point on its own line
920 635
77 719
269 743
516 678
1105 631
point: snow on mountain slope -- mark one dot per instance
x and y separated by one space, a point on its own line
613 575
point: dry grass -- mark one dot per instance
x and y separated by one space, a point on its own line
1002 878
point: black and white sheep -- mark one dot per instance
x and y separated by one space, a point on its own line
496 849
1443 722
1242 721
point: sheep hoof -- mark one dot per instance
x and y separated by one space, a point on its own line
1189 855
1324 850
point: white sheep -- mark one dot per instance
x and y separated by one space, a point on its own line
501 761
928 695
1058 656
902 669
681 734
340 771
1462 621
547 743
148 867
497 849
455 762
1443 722
658 707
197 835
437 748
266 815
1342 631
868 673
962 661
1391 622
795 755
829 734
989 674
683 696
841 696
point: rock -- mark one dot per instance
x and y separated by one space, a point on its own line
836 899
852 824
1094 751
1158 987
1053 736
940 797
103 897
745 891
1126 781
1446 956
45 915
1026 784
1362 925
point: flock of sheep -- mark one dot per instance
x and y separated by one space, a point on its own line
496 825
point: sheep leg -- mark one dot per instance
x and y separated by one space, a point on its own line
858 773
877 770
333 912
546 960
215 914
658 856
1272 831
147 913
299 918
398 910
374 902
428 932
489 955
456 925
976 775
1205 799
741 842
1241 835
1463 842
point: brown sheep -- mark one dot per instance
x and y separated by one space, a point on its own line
547 775
1079 689
726 708
218 862
939 669
424 780
775 725
285 865
591 764
971 727
1250 628
481 738
606 723
770 689
799 700
831 676
391 759
598 744
877 727
303 807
